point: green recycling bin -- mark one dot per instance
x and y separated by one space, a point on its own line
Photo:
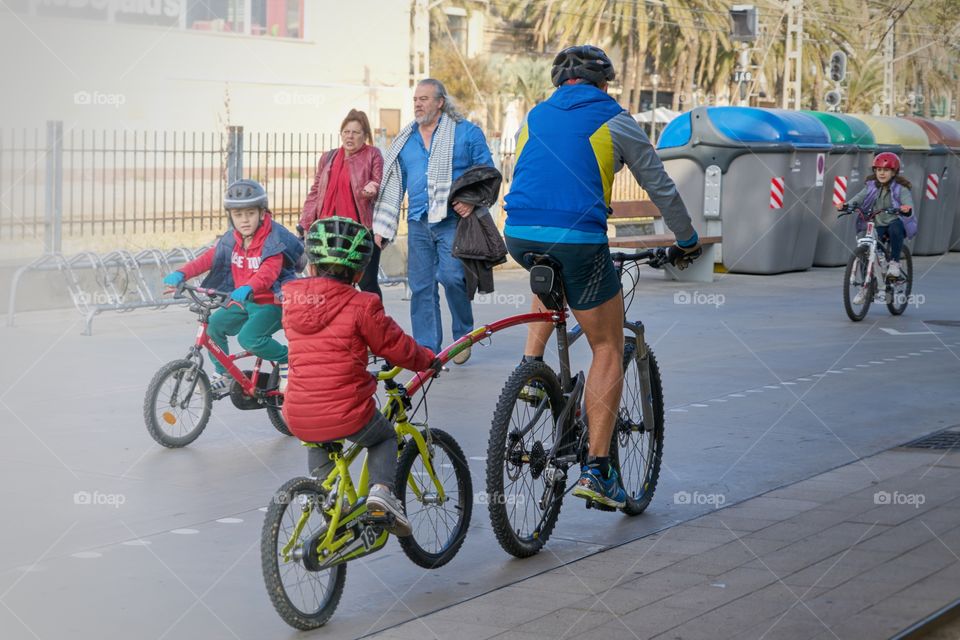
758 174
848 164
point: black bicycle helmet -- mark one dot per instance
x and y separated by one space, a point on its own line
339 241
583 61
479 185
244 194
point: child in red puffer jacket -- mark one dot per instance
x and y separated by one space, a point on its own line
329 326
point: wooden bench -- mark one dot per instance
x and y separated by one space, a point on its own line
700 271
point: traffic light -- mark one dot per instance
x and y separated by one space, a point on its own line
745 23
838 66
832 98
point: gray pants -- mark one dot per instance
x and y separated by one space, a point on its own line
380 439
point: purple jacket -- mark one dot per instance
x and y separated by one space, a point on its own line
873 192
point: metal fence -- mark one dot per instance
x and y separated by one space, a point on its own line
78 183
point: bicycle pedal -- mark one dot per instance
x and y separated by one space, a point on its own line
378 518
599 506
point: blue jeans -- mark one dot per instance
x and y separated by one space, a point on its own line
895 233
430 261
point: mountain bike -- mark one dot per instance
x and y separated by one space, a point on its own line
315 526
179 400
539 428
866 269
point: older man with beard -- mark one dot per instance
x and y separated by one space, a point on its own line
427 156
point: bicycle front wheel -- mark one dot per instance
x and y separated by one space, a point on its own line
177 405
523 504
439 526
275 412
304 598
636 448
898 293
855 283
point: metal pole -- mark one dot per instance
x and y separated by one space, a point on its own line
234 154
655 78
53 201
888 87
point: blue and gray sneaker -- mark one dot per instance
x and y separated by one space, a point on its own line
606 491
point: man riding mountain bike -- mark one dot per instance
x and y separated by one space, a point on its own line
568 151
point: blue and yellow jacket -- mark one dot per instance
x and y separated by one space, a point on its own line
568 151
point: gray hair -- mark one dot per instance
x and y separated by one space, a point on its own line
449 105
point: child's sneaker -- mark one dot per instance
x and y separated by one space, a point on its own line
220 385
893 269
861 296
382 499
284 372
593 486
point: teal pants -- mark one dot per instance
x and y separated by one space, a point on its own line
254 325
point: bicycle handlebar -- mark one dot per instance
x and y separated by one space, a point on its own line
213 300
654 258
846 209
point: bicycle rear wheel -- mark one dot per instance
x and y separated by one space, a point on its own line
173 420
439 528
523 505
855 282
898 294
304 598
636 449
275 412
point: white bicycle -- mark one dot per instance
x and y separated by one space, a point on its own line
866 268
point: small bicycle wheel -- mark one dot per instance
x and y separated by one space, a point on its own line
439 527
304 598
636 449
855 280
523 504
898 293
177 405
274 411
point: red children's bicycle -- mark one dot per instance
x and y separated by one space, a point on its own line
179 399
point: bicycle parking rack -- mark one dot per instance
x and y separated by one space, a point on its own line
119 275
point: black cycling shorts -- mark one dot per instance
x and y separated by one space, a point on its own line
588 275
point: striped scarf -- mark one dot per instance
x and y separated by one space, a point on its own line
386 212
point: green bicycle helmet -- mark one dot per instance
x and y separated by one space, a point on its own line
339 241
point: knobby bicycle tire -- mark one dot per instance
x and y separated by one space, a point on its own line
639 491
457 508
505 459
270 562
175 371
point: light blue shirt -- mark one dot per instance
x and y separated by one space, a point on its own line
469 149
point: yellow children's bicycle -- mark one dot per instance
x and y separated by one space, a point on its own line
314 526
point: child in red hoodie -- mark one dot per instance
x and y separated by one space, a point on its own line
329 325
253 261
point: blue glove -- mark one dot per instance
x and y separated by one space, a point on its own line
173 279
241 293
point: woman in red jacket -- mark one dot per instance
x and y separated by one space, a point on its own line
329 327
347 184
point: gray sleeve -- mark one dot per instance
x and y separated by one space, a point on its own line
855 201
632 148
906 197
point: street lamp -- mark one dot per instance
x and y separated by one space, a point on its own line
655 79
